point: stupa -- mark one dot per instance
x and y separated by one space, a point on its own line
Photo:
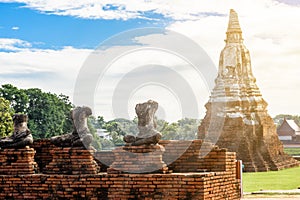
237 116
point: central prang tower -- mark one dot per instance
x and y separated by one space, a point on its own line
237 117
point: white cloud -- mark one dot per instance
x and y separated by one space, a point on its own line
144 74
50 70
119 9
9 44
271 34
15 28
270 29
129 9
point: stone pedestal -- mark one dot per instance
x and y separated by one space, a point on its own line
17 161
138 159
72 161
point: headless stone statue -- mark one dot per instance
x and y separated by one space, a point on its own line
21 136
81 135
146 125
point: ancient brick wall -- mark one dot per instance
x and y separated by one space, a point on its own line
17 162
219 185
181 156
104 159
208 173
42 149
196 156
184 156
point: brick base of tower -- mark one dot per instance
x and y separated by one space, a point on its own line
257 145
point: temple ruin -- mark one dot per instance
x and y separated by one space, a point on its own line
237 116
66 167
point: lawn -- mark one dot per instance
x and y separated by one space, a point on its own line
286 179
295 151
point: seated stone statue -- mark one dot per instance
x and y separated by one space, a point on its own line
146 124
21 136
81 136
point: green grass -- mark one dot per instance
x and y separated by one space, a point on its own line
286 179
295 151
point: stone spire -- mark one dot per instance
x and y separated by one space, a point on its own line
234 32
237 117
235 79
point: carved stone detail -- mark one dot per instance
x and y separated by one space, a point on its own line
81 136
146 125
21 136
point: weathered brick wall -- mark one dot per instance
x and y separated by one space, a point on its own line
208 173
138 159
42 149
219 185
196 156
75 160
17 162
184 156
104 159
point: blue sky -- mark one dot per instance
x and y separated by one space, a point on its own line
45 44
55 31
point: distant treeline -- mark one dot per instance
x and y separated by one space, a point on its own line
49 115
184 129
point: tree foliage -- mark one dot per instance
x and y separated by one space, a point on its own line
49 114
6 123
17 97
96 143
184 129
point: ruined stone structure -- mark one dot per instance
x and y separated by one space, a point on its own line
138 159
81 136
21 136
141 154
74 153
146 125
16 157
66 160
237 117
195 176
68 170
17 161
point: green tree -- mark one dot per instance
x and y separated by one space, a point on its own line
126 126
188 128
65 106
17 97
100 121
48 114
161 125
183 129
97 123
170 132
96 143
113 126
6 123
115 131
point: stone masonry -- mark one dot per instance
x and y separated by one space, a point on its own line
212 176
237 117
17 161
